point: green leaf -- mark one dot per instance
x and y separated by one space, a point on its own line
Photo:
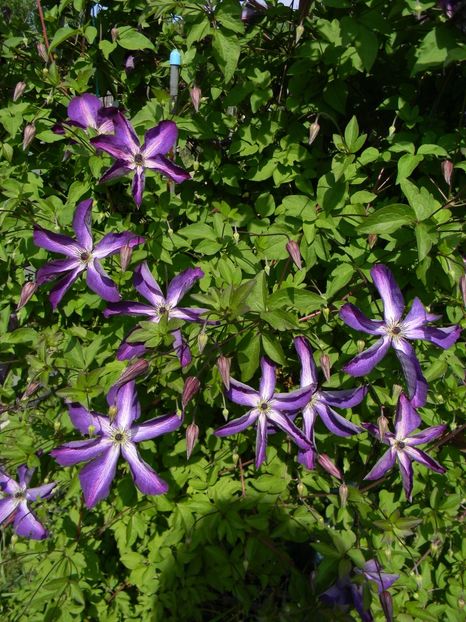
280 320
61 35
227 50
273 348
248 356
300 299
424 240
341 276
406 165
388 219
351 132
130 39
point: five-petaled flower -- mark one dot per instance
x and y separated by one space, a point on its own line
267 410
161 307
86 111
14 504
124 145
321 402
82 256
395 332
114 434
403 445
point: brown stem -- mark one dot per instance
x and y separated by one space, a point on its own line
42 23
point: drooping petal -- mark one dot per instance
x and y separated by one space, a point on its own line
126 401
112 145
425 436
393 302
335 423
384 464
365 362
24 474
61 287
417 316
295 400
113 242
40 492
374 430
130 308
56 242
181 284
407 418
417 384
423 458
118 169
164 165
307 458
286 425
75 452
346 398
373 572
83 110
100 283
82 224
130 350
189 315
27 525
137 187
155 427
145 478
96 477
52 269
243 394
261 440
125 134
355 318
267 381
308 368
159 139
238 425
8 485
7 507
442 337
180 345
147 286
82 419
406 470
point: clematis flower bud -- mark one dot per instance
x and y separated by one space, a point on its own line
129 63
27 292
382 423
387 605
28 135
192 434
325 364
314 129
225 413
372 239
463 288
447 170
329 466
132 372
125 256
30 390
299 32
343 492
114 33
224 365
191 387
196 93
202 341
42 51
19 90
301 489
293 251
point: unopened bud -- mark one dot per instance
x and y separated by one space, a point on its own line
191 387
129 63
28 135
13 539
372 239
460 600
387 605
382 423
195 93
314 129
179 413
463 288
202 341
293 251
267 268
30 390
91 428
329 466
343 492
326 312
245 564
447 170
236 235
131 372
325 364
299 32
224 365
19 90
225 413
169 229
302 490
125 256
112 412
114 34
42 51
235 457
27 292
56 425
192 433
361 344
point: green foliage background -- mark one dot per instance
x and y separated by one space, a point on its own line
384 80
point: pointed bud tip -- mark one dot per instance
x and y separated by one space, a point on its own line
192 434
191 387
293 251
27 292
224 365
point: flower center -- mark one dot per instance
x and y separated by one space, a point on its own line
263 407
20 494
120 437
162 309
400 445
395 331
85 257
139 159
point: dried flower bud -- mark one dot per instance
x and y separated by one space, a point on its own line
224 365
196 94
202 341
19 90
329 466
447 170
30 390
42 51
325 364
314 129
293 251
191 387
27 292
114 34
299 32
192 434
125 256
387 605
372 239
343 492
131 372
28 135
382 423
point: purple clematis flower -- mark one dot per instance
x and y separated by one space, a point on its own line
86 111
321 403
267 410
14 504
81 255
395 332
403 445
124 145
160 307
116 433
372 571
